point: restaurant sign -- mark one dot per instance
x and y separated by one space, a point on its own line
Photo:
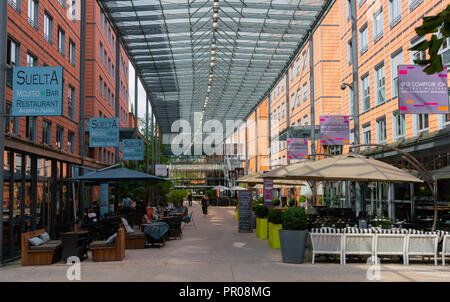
297 148
420 93
132 149
103 132
334 130
37 91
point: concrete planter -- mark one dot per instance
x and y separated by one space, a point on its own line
254 220
261 228
274 237
293 244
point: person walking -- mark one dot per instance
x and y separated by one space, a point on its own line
190 198
205 205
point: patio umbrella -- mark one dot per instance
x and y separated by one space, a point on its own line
115 175
237 188
345 167
254 179
220 188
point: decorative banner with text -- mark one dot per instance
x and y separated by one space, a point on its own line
104 132
334 130
37 91
419 92
297 148
132 149
268 192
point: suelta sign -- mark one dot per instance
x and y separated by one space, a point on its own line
132 149
334 130
104 132
420 93
37 91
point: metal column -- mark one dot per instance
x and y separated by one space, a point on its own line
23 192
54 192
3 39
411 193
11 205
311 97
117 95
288 119
256 140
146 136
153 145
135 100
355 75
33 211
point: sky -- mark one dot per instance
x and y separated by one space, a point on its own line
141 93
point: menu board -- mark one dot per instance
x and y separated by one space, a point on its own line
268 192
245 212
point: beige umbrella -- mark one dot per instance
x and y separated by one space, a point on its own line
254 179
345 167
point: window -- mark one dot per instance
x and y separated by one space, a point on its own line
100 85
47 132
399 125
350 102
381 130
380 85
16 4
422 123
113 74
282 84
299 97
365 93
297 66
349 9
414 3
366 135
63 3
101 52
378 25
282 108
31 60
396 59
291 73
420 54
33 13
304 59
363 39
395 12
104 91
305 120
71 102
72 52
71 141
305 92
72 10
349 52
48 28
61 41
30 128
292 101
13 53
59 137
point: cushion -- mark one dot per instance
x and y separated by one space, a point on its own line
127 226
111 239
35 241
135 235
100 245
46 247
45 237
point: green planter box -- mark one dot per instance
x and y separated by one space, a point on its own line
274 236
261 228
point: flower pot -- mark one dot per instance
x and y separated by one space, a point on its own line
237 215
293 244
261 228
274 237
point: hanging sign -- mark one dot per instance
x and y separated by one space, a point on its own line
420 93
268 192
297 148
103 132
37 91
132 149
335 130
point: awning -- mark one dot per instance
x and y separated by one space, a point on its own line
116 175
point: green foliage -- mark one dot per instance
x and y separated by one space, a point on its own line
320 200
261 200
276 202
301 198
275 216
295 219
261 211
211 194
431 25
177 196
291 202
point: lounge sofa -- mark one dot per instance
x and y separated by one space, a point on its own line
44 254
104 251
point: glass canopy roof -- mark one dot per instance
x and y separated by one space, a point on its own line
219 58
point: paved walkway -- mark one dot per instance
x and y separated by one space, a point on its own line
215 251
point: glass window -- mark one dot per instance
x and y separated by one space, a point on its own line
349 52
72 53
282 110
381 130
13 53
48 28
363 39
366 137
304 59
305 120
396 60
422 123
349 9
350 102
365 93
399 125
418 55
46 132
305 92
61 41
380 82
31 60
299 97
297 66
292 101
71 102
378 25
395 12
30 129
291 73
59 137
16 4
71 141
100 85
33 13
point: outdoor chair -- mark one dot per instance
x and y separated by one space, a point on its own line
189 219
422 245
103 251
445 248
358 244
390 244
44 254
323 243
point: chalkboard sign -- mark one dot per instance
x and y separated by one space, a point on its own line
245 212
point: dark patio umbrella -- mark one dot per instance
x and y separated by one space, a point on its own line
116 175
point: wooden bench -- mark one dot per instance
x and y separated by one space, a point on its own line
109 252
135 240
45 254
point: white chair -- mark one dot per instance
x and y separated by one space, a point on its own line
358 244
422 245
445 248
323 243
390 244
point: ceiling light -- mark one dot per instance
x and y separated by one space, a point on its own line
213 64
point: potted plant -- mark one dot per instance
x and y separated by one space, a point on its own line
293 235
291 202
261 221
275 224
276 202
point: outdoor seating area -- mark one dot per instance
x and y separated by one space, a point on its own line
378 243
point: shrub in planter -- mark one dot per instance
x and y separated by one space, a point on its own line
291 202
275 224
261 200
293 235
320 200
301 199
276 202
261 221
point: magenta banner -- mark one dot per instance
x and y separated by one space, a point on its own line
419 92
268 192
297 148
335 130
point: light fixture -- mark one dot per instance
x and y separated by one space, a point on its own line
213 64
213 59
213 46
215 25
213 52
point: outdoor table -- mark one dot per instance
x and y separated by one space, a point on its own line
75 244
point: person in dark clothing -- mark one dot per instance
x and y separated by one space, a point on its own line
205 205
190 199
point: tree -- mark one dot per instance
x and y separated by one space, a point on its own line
439 23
